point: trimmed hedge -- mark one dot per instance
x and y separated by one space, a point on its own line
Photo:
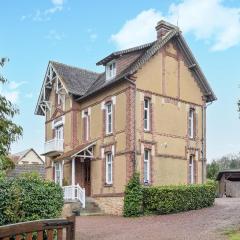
173 199
28 198
141 200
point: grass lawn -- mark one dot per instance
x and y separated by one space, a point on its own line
233 234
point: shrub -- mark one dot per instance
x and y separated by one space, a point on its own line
173 199
133 199
27 198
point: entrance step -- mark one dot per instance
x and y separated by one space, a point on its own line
91 208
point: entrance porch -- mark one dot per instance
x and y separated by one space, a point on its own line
80 187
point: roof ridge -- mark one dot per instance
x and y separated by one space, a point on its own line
70 66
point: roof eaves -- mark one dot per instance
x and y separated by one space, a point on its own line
194 66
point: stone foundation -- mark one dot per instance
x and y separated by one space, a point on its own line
110 205
68 208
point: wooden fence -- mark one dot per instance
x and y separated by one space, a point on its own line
50 229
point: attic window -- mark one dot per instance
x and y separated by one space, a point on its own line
110 70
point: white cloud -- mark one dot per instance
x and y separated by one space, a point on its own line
208 20
57 2
11 96
138 30
29 95
54 35
92 35
45 15
14 85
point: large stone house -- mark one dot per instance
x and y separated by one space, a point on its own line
146 112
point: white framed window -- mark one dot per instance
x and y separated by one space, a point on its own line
58 173
86 125
59 132
109 167
147 114
110 70
109 118
191 169
146 166
191 123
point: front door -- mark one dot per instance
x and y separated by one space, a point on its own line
87 176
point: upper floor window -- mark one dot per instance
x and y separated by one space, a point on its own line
110 70
86 126
191 169
146 166
109 168
191 123
146 114
109 118
59 132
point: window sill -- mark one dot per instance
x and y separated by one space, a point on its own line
108 134
108 185
147 131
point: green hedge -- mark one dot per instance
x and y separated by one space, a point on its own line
173 199
29 198
133 197
141 200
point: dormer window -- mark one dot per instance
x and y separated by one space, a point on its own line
110 70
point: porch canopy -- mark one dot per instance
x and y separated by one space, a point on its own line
82 151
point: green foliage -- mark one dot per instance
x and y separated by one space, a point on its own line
173 199
212 170
9 131
28 198
133 197
231 161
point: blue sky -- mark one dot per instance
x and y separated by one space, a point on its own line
82 32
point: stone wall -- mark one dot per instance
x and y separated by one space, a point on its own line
110 205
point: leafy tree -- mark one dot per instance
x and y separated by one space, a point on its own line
231 161
9 131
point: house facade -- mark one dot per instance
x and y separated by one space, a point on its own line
146 112
28 156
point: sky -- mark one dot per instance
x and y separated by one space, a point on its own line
80 33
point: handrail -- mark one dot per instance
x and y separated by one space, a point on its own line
74 192
39 227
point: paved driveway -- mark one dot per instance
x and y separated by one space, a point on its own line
204 224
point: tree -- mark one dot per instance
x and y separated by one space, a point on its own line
9 131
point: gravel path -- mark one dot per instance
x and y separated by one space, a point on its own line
207 224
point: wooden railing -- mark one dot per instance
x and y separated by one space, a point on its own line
50 229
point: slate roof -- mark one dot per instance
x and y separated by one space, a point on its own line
83 83
77 80
125 51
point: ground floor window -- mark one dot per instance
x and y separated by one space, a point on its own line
58 173
191 169
109 168
146 166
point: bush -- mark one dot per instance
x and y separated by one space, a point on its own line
28 198
133 200
173 199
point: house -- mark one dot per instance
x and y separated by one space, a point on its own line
27 161
229 183
146 112
28 156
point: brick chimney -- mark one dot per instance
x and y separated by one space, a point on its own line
163 28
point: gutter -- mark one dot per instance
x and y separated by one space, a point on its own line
204 158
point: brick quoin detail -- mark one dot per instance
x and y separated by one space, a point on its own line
130 132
